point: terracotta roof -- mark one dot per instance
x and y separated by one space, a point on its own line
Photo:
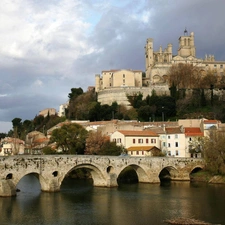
211 121
141 148
193 131
158 130
41 140
145 133
173 130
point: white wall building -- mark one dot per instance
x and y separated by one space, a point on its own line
137 139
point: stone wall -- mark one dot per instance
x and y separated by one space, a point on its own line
108 96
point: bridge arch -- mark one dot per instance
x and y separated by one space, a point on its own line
194 170
41 179
141 173
96 174
168 173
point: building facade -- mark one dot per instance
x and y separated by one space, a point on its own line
115 85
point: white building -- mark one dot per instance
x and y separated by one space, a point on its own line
174 142
137 143
12 146
62 109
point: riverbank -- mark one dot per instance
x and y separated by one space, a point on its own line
187 221
204 176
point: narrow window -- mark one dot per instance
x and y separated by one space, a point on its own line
146 141
133 141
176 144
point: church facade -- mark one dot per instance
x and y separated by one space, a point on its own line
115 85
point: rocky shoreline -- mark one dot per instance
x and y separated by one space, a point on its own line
207 178
187 221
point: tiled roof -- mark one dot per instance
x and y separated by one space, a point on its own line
158 130
211 121
173 130
193 131
145 133
141 148
41 140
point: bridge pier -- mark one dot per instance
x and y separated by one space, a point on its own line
7 188
53 185
112 180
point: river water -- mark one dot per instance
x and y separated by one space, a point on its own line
129 204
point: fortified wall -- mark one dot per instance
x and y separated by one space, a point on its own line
119 94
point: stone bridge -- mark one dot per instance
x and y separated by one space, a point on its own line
52 169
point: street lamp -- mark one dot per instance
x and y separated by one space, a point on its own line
162 113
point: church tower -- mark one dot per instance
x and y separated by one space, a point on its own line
148 57
186 45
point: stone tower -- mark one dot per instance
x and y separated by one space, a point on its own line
148 57
186 45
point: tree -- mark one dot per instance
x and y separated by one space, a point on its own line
214 152
98 144
48 150
110 148
135 99
94 142
145 113
17 125
70 138
75 92
80 105
182 75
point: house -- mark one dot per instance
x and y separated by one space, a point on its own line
11 146
140 140
174 142
143 151
35 141
210 125
193 141
48 111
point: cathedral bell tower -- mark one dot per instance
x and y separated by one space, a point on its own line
186 45
148 57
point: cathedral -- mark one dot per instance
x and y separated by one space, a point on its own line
115 85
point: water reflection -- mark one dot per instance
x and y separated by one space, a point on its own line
80 203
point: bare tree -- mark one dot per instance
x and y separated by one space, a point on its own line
214 152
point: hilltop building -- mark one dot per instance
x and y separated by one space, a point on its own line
115 85
48 111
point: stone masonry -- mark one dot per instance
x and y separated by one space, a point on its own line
51 170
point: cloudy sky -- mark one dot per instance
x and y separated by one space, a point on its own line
48 47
